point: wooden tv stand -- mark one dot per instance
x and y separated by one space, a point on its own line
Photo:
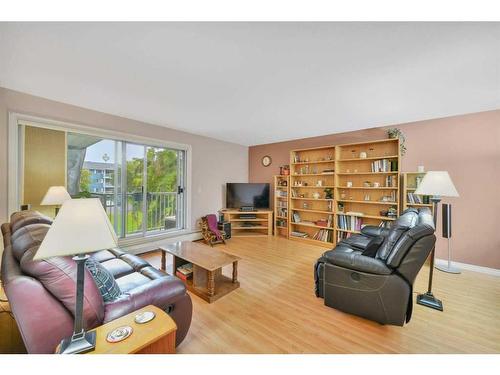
261 225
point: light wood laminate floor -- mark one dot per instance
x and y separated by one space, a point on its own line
275 310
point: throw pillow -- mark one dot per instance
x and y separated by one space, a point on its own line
104 280
373 246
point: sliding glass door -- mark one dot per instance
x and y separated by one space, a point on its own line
141 187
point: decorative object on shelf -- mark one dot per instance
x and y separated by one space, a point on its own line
319 183
285 170
376 184
55 196
266 161
316 195
438 184
367 197
349 184
305 205
119 334
363 155
69 235
144 317
395 133
328 193
367 184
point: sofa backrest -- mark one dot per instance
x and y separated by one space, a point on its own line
22 218
423 227
413 248
406 221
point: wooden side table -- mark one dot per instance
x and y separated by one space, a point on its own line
154 337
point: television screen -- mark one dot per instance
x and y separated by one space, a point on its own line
240 194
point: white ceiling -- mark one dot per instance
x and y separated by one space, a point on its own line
254 83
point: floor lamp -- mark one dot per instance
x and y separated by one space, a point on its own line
436 184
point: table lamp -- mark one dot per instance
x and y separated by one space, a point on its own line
55 196
437 184
81 227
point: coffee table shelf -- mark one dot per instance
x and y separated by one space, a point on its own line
207 281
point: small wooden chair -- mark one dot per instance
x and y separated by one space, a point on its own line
209 236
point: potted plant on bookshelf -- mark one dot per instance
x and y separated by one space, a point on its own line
394 133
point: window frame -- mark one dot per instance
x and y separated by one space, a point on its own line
17 121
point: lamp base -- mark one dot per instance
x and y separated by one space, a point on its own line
81 343
449 269
428 300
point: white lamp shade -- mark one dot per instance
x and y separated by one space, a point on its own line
81 226
55 196
437 183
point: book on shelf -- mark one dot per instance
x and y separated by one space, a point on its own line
391 181
349 222
181 276
417 199
343 235
296 217
323 235
186 268
384 165
414 198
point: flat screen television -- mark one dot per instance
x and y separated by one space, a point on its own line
250 195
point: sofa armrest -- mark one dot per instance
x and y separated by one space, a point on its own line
358 262
162 293
374 231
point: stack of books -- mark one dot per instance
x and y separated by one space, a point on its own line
185 271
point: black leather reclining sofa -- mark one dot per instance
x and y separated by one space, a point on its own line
372 274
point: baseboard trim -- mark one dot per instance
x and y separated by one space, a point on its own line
153 244
470 267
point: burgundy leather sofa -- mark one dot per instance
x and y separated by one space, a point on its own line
42 293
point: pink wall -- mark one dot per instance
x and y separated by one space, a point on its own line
466 146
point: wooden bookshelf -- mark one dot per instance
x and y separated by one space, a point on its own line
281 204
366 184
311 172
409 183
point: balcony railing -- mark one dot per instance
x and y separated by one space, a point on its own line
161 208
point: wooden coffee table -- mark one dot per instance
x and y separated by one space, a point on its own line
207 281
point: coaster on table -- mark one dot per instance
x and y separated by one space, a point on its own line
119 334
144 317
